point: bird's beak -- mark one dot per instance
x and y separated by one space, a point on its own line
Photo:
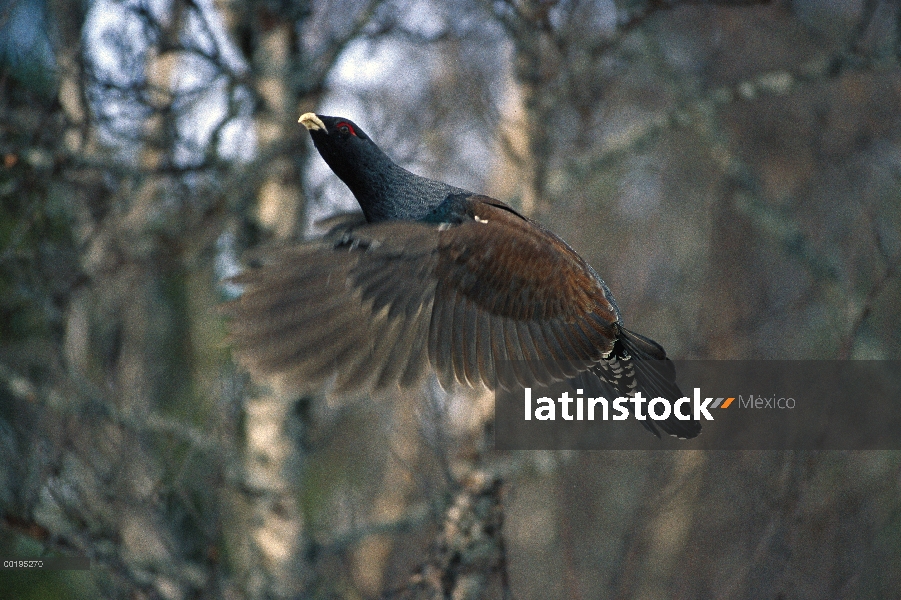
312 122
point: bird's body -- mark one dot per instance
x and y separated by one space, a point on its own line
436 277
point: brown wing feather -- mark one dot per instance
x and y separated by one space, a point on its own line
344 305
371 303
513 267
545 303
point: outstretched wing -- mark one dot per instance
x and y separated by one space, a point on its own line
375 305
353 307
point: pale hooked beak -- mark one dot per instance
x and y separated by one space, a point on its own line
312 122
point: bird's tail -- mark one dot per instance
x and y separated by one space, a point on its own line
639 364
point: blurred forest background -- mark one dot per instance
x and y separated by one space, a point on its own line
731 168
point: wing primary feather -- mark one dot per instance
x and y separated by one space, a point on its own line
503 362
518 362
485 355
398 356
535 368
342 333
288 352
417 358
249 321
469 329
365 369
440 350
456 334
551 355
579 341
556 331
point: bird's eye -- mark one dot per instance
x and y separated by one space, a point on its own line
345 128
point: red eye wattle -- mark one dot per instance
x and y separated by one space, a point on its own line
345 127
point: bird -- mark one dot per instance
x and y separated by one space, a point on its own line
433 278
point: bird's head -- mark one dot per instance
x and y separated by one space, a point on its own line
343 145
385 190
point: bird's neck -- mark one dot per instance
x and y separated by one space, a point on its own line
391 193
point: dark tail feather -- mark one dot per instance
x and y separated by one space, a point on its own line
654 376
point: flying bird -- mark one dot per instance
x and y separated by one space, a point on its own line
435 278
